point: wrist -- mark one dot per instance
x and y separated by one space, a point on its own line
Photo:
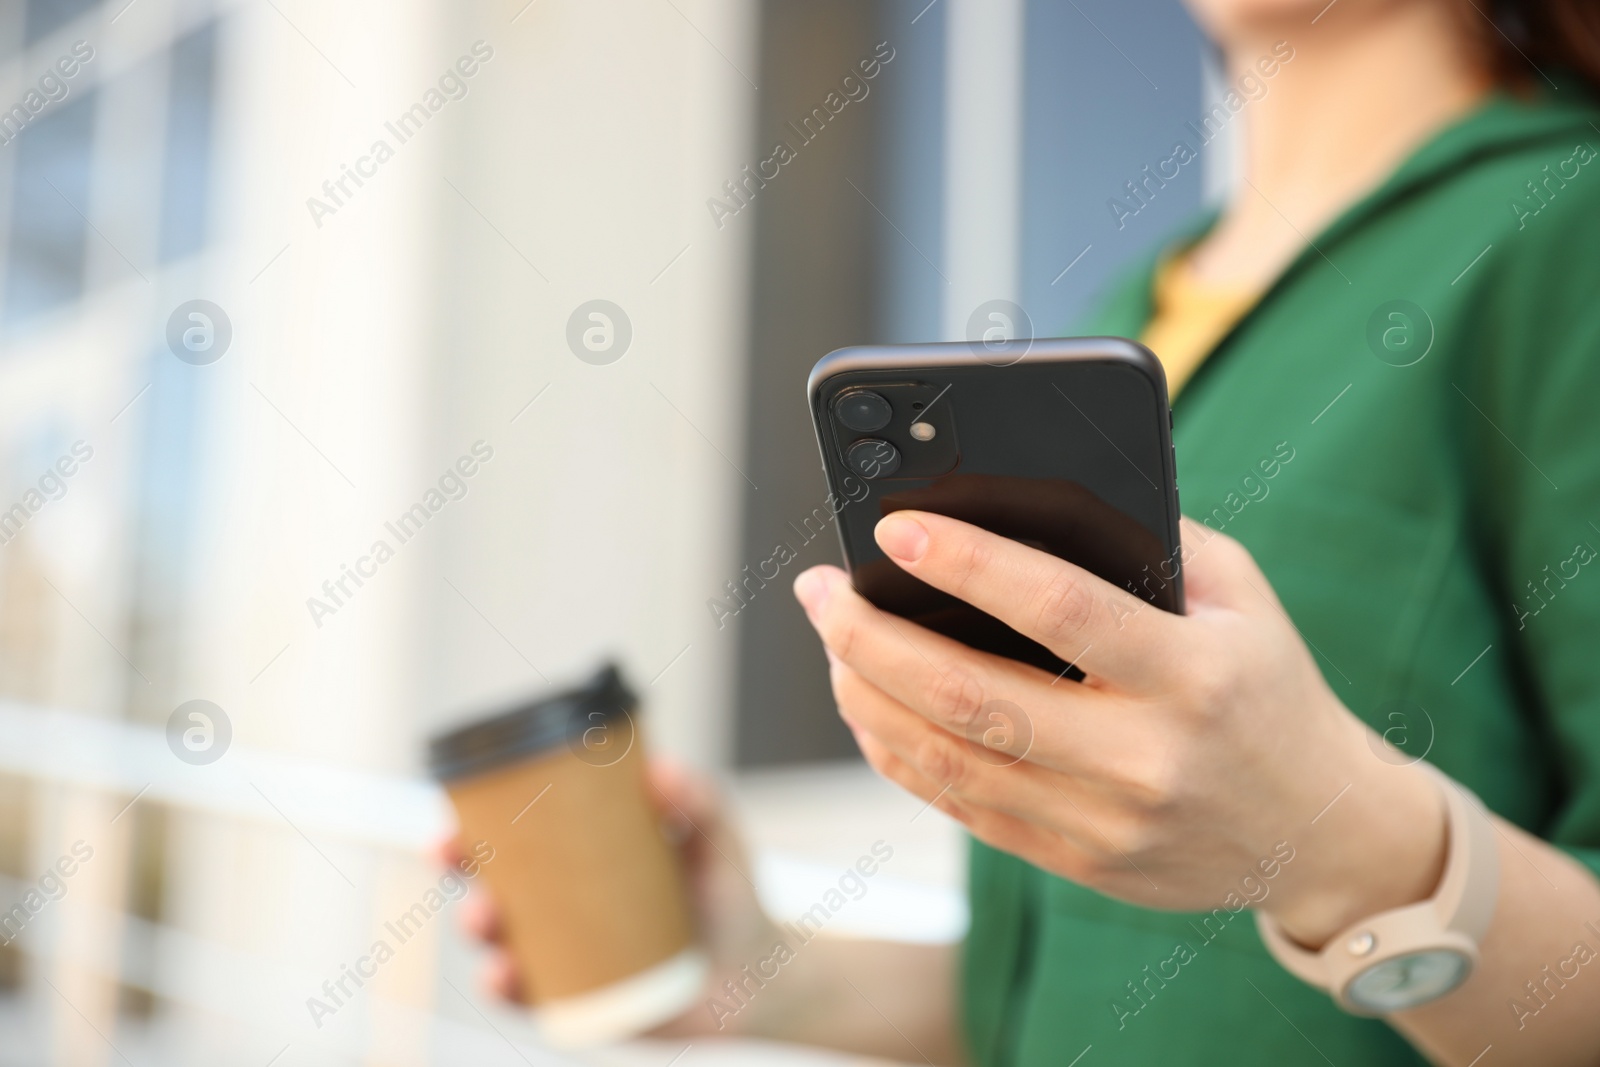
1381 845
739 998
753 978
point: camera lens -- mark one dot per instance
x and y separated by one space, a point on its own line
862 411
872 458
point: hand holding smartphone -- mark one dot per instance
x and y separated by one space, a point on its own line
1064 445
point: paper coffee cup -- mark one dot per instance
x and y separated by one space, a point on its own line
591 895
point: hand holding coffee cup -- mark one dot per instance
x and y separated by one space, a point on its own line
591 899
732 926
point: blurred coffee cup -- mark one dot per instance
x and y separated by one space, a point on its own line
591 894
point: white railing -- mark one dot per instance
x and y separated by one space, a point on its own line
808 813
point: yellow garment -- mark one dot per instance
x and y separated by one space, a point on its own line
1190 316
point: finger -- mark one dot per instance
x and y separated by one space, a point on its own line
447 851
1063 518
480 918
692 806
996 829
951 765
686 801
1081 618
680 791
882 759
879 757
965 691
501 978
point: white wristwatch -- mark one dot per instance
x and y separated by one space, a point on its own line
1404 958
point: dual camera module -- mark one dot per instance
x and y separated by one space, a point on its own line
858 412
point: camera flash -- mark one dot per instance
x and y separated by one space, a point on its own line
922 431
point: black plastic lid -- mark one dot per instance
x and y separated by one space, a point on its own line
531 728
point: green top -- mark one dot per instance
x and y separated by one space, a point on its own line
1430 527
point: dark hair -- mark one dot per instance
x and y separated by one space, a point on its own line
1526 34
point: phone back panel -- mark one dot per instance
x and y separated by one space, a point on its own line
1064 445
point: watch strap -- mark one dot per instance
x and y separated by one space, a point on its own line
1455 918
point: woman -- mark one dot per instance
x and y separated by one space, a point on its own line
1388 348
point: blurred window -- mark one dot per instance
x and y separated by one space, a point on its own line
186 170
51 181
46 16
49 232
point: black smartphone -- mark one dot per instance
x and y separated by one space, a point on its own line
1064 445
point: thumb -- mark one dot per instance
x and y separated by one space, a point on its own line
697 818
1220 572
686 799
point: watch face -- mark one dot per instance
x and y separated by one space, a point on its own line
1407 981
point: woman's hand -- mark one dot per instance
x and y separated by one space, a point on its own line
732 928
830 995
1197 747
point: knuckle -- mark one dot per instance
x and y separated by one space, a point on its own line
954 696
1156 790
1063 611
843 703
1210 686
879 760
1142 836
1102 865
969 561
843 636
1086 864
846 684
938 761
1148 789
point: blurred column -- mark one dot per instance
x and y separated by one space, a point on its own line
581 175
819 229
314 427
983 155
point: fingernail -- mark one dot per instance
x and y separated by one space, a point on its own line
811 589
901 537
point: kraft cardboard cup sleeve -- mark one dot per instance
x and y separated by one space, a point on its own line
590 892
